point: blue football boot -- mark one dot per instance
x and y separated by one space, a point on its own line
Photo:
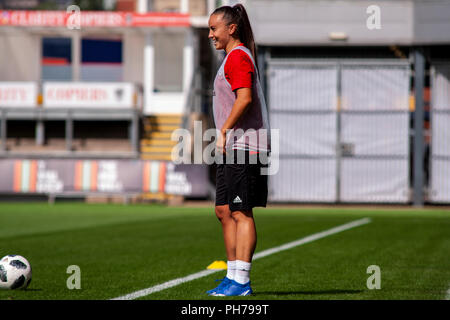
234 289
223 284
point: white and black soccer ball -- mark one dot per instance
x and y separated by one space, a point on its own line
15 272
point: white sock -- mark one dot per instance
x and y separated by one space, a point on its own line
231 269
242 274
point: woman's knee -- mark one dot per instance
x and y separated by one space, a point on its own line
222 212
242 215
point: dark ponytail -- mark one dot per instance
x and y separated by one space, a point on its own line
238 15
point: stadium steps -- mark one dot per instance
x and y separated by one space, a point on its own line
157 156
156 143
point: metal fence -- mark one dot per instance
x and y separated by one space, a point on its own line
344 130
439 191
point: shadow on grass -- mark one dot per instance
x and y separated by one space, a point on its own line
31 290
19 294
319 292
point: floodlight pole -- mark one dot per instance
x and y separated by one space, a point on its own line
418 159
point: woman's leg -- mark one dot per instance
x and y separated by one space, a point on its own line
245 235
223 213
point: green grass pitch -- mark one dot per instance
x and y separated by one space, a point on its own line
124 248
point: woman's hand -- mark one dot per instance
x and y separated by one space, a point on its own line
220 142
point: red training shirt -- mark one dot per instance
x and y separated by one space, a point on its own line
239 70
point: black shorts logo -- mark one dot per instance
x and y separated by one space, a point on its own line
237 200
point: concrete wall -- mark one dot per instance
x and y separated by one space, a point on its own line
196 7
307 22
20 56
432 22
133 57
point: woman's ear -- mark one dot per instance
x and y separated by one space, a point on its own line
233 29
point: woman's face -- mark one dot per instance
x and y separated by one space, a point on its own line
219 32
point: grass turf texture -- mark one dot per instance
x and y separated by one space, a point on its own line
121 249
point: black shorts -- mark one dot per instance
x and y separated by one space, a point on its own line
241 185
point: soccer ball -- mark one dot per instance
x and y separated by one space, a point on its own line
15 272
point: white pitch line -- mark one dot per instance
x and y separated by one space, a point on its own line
265 253
166 285
312 237
447 295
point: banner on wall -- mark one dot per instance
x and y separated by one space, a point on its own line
92 94
38 18
18 94
57 176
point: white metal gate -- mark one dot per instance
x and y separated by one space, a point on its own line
344 129
440 133
302 105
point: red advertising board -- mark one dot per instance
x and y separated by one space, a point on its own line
28 18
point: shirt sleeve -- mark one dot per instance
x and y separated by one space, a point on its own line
239 70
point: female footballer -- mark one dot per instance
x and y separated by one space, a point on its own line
238 106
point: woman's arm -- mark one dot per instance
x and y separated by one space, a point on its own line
243 101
